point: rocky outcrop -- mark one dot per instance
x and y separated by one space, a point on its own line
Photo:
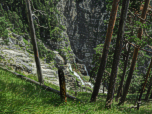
15 56
58 59
81 68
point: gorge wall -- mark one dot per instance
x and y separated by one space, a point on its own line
85 28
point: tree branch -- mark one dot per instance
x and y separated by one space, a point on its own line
36 16
135 15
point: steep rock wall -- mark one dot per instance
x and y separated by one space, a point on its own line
85 27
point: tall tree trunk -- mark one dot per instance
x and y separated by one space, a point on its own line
140 32
144 85
105 50
118 49
33 37
123 76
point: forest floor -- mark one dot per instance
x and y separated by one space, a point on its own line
21 97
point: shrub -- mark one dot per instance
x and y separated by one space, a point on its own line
3 30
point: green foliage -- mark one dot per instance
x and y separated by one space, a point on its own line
55 33
3 30
25 41
75 66
85 78
50 56
135 4
42 49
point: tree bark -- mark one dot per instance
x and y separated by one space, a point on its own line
62 85
148 91
150 96
103 83
123 76
105 50
103 87
33 37
140 32
144 85
129 76
118 49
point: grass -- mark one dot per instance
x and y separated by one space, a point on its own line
85 78
25 41
18 96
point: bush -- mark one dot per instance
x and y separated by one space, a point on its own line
50 56
3 30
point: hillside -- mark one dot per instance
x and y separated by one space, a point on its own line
21 97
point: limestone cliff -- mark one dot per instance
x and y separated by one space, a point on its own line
85 28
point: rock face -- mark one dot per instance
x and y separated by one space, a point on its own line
81 68
85 27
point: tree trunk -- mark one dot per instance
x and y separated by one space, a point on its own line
103 83
123 76
150 96
129 76
121 91
118 49
105 50
140 32
148 92
144 85
33 38
62 85
103 88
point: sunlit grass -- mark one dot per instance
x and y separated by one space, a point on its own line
18 96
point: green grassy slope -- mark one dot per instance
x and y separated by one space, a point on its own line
21 97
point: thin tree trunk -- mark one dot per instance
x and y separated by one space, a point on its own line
118 49
148 91
105 50
121 91
140 32
123 76
103 88
103 83
33 37
144 85
129 78
62 85
150 96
